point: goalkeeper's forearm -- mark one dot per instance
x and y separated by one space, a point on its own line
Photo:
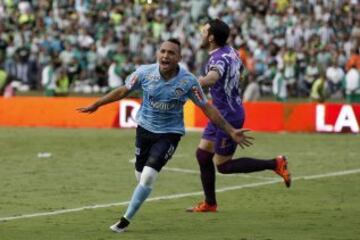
215 116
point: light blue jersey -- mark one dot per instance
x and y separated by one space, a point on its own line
162 109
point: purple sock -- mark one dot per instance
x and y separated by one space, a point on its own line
246 165
207 174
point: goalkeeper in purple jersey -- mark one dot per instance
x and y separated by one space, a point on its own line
222 76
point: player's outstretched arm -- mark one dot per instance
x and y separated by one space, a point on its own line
239 135
114 95
210 79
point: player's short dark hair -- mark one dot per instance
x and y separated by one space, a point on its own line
220 30
175 41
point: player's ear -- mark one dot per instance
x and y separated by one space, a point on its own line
179 57
211 38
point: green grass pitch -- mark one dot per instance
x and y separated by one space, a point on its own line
89 167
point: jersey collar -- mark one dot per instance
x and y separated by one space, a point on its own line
213 51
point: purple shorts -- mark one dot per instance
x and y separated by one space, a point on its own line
224 144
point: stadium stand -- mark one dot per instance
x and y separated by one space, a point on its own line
98 42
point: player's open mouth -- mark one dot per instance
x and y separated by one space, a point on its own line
164 63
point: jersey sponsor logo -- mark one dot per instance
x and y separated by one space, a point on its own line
197 93
151 77
179 92
163 106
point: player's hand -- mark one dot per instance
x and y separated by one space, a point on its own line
88 109
239 136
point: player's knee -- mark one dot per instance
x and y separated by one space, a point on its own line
204 157
139 164
148 177
223 168
156 163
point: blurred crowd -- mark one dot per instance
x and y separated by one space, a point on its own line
307 48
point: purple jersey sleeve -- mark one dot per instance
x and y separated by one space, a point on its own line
217 64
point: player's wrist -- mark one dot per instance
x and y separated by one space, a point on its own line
97 105
231 131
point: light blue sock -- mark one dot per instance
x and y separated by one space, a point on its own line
139 196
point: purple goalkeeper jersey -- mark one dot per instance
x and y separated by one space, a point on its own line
225 93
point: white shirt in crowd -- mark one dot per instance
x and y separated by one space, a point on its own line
279 86
335 74
48 77
352 81
114 80
85 40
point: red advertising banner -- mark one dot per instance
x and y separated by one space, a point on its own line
55 112
337 118
260 116
266 116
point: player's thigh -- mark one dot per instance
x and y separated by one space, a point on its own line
224 145
143 144
225 148
162 150
208 138
220 159
207 145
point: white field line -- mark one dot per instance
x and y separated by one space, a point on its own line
181 195
184 170
346 172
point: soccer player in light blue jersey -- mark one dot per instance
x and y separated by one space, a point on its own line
223 76
166 86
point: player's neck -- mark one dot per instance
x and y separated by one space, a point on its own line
212 47
169 74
